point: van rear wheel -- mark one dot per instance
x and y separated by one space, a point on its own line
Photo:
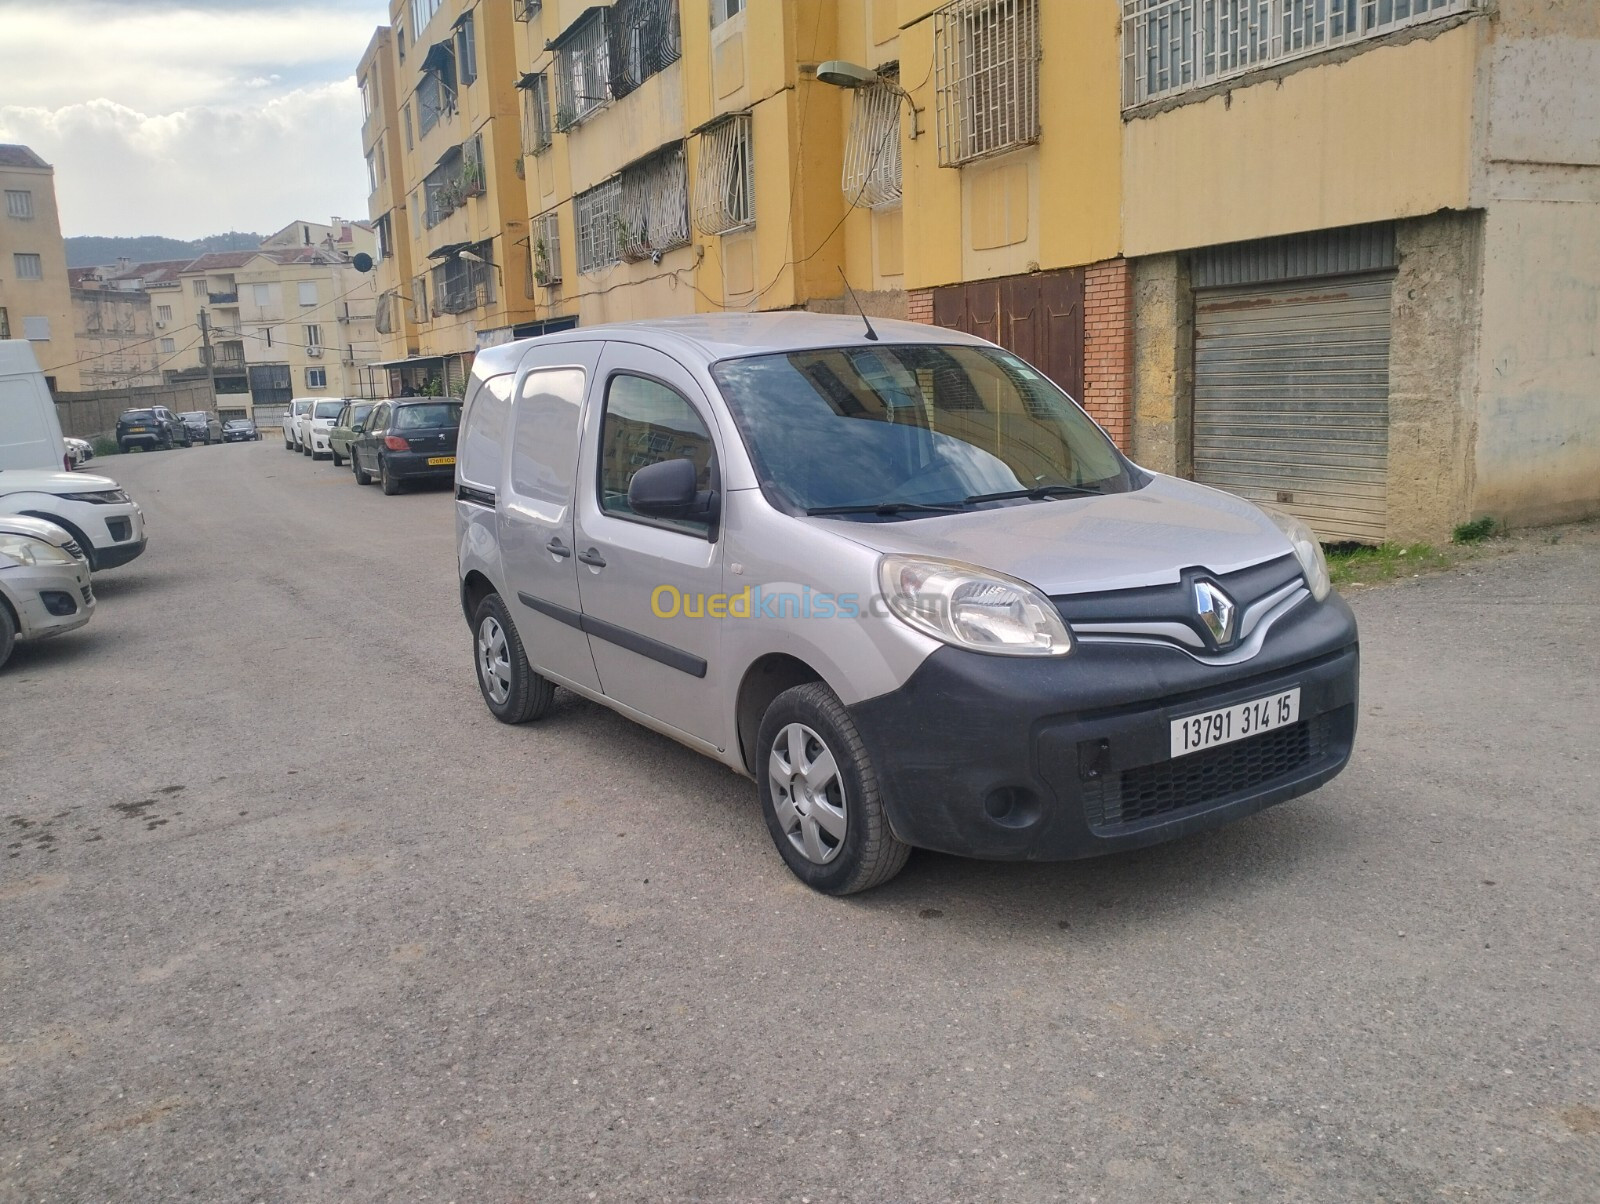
820 796
513 692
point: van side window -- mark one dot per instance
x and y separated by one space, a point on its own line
544 446
483 430
646 422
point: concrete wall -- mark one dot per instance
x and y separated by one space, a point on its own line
1163 365
87 414
1385 133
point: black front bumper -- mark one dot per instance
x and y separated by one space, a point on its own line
118 554
1021 759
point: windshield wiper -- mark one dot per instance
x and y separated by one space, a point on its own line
887 508
1037 493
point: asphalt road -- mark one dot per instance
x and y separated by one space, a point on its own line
285 915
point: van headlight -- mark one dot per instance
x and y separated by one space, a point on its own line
972 607
26 550
1306 550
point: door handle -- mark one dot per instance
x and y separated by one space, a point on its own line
592 557
556 548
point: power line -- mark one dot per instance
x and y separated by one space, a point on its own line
89 359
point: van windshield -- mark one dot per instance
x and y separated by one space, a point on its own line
890 428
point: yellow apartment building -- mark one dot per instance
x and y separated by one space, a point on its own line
1341 257
35 296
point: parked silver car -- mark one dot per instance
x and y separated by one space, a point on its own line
44 582
900 579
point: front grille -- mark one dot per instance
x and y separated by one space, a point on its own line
88 595
1167 788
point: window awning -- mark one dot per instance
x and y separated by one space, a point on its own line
414 360
449 250
440 55
594 12
528 79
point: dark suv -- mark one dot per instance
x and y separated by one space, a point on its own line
404 441
203 425
150 429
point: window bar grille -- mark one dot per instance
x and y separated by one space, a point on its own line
655 205
872 166
1171 46
547 250
986 77
724 195
597 216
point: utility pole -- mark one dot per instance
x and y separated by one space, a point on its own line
211 367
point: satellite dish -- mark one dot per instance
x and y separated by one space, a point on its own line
362 262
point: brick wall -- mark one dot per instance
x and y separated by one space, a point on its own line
919 306
1108 348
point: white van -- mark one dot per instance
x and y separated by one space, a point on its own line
30 432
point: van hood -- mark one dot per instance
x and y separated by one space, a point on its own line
1072 545
29 480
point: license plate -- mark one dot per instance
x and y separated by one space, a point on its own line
435 460
1238 722
136 430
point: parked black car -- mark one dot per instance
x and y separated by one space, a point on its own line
240 430
151 428
203 426
404 441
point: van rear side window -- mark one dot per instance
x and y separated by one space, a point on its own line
483 427
544 449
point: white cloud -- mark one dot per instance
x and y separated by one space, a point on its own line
188 117
202 169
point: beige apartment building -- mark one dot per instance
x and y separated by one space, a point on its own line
35 295
117 344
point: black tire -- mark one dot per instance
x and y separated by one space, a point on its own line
166 443
363 477
391 485
337 462
869 854
305 449
528 695
8 634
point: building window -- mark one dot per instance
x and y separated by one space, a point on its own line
722 10
5 323
405 120
583 69
422 12
262 294
724 192
872 152
461 285
655 205
308 292
537 128
527 10
366 99
372 173
436 92
29 267
460 175
36 330
644 40
547 249
400 38
163 313
199 287
313 338
19 203
316 378
169 346
986 77
598 219
1172 46
385 234
419 299
466 50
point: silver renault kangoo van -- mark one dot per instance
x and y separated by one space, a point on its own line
900 579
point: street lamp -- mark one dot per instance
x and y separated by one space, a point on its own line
840 73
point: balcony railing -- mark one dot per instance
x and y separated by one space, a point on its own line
1174 46
223 298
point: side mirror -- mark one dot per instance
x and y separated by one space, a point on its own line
667 490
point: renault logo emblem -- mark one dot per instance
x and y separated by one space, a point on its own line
1216 611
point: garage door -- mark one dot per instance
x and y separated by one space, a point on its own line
1291 399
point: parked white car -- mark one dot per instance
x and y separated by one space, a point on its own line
79 451
94 510
298 409
44 583
318 423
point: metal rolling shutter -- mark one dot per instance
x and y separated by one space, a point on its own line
1291 398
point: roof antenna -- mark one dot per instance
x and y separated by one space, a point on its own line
871 333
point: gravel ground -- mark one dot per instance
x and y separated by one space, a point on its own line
287 916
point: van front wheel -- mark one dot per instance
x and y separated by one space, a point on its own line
820 796
513 692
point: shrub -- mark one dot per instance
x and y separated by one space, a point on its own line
1478 530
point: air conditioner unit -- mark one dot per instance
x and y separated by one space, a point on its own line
161 325
314 352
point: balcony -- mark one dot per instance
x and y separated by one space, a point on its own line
223 298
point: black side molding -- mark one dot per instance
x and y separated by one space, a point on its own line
666 654
475 495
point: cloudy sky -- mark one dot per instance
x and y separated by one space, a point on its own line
189 117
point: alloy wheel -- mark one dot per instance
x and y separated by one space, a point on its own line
494 660
808 793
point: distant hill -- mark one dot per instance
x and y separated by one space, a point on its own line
91 250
